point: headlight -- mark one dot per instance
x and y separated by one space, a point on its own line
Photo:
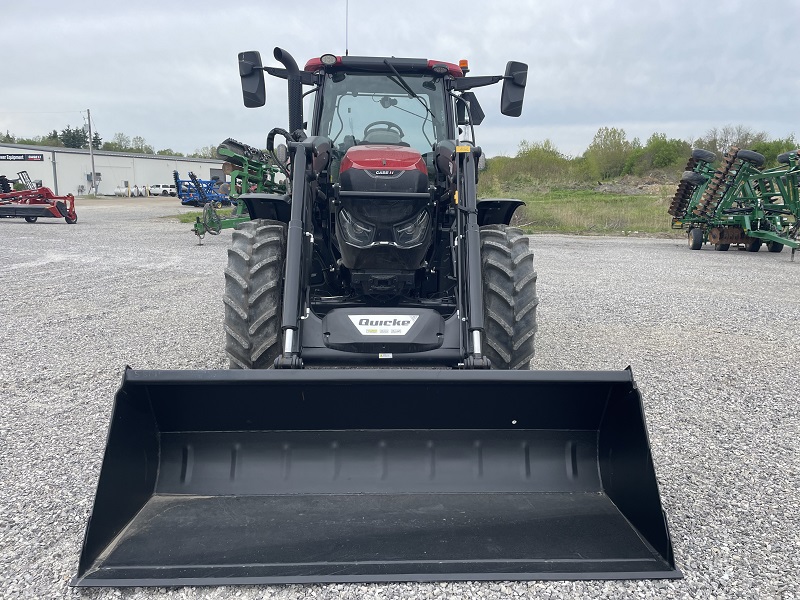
355 233
414 232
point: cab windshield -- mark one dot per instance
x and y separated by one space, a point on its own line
377 109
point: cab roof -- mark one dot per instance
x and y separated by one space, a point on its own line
375 64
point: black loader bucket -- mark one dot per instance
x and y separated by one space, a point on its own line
280 476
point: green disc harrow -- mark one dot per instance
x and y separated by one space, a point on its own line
250 170
739 202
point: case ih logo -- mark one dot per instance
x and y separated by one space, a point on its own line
28 157
384 172
383 324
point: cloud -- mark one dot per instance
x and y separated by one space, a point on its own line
167 71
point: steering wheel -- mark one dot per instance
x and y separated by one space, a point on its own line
389 125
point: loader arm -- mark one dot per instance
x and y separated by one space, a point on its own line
299 248
468 257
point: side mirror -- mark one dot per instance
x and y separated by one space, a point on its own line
251 72
513 88
475 110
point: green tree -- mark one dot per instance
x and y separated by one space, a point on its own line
608 153
542 160
720 140
168 152
74 138
8 138
772 148
52 139
205 152
67 137
97 141
138 144
659 152
119 143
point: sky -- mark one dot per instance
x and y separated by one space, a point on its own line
167 71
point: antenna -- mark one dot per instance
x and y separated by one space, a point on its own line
346 26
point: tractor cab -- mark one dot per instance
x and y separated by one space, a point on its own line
364 102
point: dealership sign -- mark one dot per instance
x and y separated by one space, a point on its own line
28 157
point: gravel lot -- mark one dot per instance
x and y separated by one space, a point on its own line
710 337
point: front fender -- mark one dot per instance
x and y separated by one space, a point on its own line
497 211
275 207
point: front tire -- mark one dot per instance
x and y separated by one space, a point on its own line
695 238
31 219
509 297
253 294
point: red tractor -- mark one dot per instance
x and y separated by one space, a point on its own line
34 201
450 459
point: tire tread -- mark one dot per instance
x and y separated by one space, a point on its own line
252 296
510 299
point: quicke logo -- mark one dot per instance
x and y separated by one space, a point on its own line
383 324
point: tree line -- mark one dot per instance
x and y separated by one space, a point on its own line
611 155
79 138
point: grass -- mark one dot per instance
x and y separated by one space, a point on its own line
191 217
571 210
589 212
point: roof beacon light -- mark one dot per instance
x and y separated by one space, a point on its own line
327 59
464 64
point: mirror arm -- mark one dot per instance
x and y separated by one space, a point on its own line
306 78
467 83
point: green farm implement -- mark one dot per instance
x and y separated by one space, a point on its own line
251 171
739 202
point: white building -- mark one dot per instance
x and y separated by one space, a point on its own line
68 170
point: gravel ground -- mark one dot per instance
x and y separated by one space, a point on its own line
709 336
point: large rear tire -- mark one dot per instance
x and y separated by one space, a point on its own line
253 291
509 297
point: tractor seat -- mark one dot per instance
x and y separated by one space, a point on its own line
382 137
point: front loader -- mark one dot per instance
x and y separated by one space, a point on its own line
435 453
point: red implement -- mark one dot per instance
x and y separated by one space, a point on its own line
31 204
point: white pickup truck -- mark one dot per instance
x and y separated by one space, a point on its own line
163 189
